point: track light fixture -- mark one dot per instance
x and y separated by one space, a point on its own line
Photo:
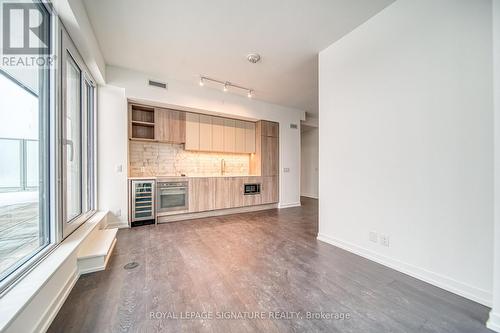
226 85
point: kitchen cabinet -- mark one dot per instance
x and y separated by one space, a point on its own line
236 190
249 137
270 156
201 194
270 128
177 133
192 131
206 132
229 192
217 134
141 122
229 135
240 136
269 190
251 199
170 126
222 193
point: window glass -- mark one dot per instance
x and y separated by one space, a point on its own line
32 163
73 140
10 163
24 137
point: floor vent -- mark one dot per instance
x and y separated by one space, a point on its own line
131 265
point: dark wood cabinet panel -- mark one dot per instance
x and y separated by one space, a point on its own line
170 126
270 128
270 156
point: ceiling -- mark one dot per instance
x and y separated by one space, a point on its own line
184 39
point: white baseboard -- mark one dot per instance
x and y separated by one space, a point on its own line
289 205
309 195
494 322
473 293
54 307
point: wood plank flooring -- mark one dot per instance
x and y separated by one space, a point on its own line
267 262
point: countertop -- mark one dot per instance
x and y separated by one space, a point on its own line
188 177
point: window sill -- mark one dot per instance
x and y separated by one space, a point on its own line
14 300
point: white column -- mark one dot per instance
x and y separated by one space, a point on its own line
494 320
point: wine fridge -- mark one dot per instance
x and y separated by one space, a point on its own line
143 201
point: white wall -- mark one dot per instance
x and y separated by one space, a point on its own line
133 85
406 142
112 138
309 162
494 321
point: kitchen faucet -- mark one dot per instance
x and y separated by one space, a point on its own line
222 167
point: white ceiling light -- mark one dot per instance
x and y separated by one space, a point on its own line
226 85
253 58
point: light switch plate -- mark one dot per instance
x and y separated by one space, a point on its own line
286 169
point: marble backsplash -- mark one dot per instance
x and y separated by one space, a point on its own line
148 159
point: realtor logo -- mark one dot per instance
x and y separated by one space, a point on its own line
24 26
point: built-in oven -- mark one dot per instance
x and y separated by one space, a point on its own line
172 196
250 189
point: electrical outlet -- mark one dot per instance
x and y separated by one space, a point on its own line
373 236
118 212
384 240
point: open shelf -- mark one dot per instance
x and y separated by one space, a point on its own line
142 125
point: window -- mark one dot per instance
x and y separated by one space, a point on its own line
73 140
25 221
78 116
42 141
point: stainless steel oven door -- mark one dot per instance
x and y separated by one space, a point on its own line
172 197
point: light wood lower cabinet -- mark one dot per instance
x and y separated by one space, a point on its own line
201 194
222 193
228 192
269 190
251 199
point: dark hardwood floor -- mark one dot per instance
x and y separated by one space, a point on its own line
267 262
